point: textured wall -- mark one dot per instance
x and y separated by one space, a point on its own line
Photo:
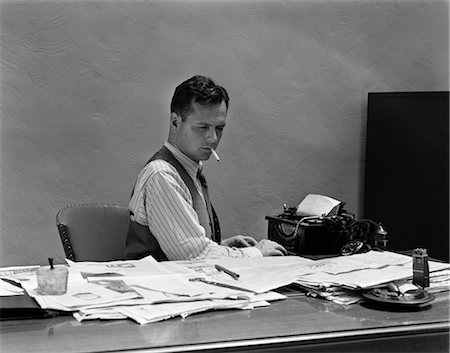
86 86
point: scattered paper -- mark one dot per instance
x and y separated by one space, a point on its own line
364 271
148 291
19 274
439 281
82 295
147 266
144 314
8 289
173 284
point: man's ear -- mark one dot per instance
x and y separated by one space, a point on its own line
175 120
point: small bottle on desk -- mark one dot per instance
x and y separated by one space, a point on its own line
421 274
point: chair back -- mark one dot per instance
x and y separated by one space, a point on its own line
93 231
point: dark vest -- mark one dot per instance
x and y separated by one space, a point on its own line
140 241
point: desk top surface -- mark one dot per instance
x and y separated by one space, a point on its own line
297 318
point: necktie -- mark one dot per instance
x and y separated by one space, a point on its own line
213 221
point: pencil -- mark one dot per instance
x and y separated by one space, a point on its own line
227 271
222 285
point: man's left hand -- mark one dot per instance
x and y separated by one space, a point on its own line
239 241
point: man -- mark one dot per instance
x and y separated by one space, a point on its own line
171 216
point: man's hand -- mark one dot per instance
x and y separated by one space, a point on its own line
270 248
239 241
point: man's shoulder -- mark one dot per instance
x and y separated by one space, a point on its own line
157 166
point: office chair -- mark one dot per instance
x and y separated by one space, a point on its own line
93 231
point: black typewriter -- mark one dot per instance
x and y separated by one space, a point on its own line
337 233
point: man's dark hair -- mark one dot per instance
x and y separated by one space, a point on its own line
197 89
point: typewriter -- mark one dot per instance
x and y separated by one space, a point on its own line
333 232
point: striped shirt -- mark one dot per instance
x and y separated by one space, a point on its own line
163 202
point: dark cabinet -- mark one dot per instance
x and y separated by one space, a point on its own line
406 184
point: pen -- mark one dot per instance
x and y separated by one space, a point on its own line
221 284
214 153
227 271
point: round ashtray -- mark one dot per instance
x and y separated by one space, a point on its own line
412 297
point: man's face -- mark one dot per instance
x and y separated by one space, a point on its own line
200 131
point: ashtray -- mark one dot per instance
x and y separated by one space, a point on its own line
405 295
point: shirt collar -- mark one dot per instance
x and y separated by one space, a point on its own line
192 167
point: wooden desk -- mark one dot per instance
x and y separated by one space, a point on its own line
297 324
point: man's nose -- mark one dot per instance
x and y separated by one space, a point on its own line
212 135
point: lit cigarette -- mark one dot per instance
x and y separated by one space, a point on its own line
216 156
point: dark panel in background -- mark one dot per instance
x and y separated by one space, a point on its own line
407 169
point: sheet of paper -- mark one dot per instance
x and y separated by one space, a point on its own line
369 277
153 313
102 313
80 294
316 205
173 284
144 314
8 289
439 281
249 263
19 274
148 291
263 280
147 266
335 294
255 274
371 259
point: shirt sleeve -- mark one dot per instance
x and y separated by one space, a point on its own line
172 219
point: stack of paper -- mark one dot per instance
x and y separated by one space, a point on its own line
148 291
9 289
335 294
143 290
439 281
341 279
15 274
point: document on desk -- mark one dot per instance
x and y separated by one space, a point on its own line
144 314
173 284
439 281
83 294
8 289
146 266
258 275
148 291
368 260
144 311
19 274
364 270
97 290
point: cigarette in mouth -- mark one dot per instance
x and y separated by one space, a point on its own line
216 156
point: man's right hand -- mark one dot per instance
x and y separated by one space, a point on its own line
270 248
